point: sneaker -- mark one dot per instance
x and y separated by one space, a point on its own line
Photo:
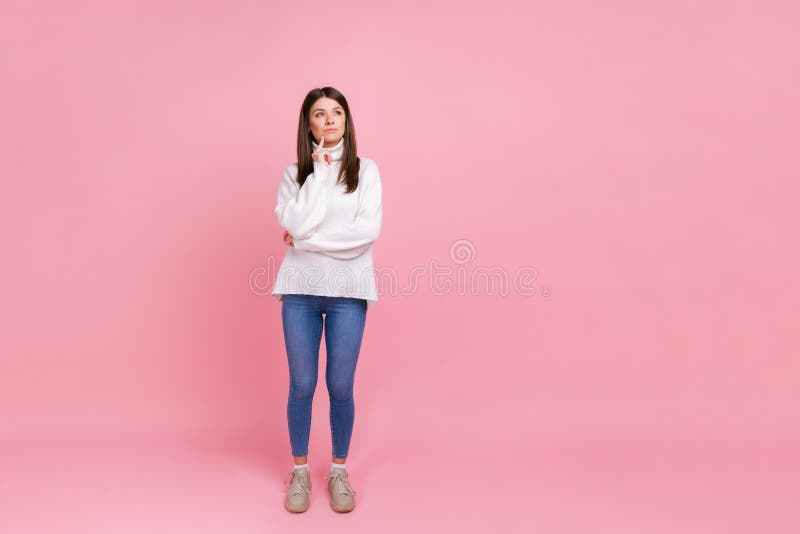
342 494
299 487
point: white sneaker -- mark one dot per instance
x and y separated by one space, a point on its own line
299 488
342 494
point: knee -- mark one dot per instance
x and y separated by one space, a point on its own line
340 391
303 387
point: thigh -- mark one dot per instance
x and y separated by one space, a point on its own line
301 316
344 329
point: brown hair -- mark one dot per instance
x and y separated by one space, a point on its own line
349 164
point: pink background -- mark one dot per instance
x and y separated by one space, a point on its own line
641 156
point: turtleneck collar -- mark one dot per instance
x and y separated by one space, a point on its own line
335 151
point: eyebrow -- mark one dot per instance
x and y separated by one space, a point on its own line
320 109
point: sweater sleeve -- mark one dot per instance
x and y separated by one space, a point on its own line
347 254
351 239
301 209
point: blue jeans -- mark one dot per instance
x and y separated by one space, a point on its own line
344 319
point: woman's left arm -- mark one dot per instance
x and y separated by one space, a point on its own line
352 238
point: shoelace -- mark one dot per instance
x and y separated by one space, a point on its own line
298 484
340 483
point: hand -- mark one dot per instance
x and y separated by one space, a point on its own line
287 238
321 153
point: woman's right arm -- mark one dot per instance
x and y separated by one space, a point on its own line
301 209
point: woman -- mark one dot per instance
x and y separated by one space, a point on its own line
329 203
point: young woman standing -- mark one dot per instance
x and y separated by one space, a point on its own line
329 203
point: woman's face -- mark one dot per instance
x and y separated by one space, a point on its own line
327 120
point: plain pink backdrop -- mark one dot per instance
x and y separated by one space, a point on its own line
641 157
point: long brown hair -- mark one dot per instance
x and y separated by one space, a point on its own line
349 164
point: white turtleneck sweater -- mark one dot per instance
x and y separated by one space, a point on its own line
333 232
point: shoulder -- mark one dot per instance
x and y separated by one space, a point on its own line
369 168
290 169
366 162
290 173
